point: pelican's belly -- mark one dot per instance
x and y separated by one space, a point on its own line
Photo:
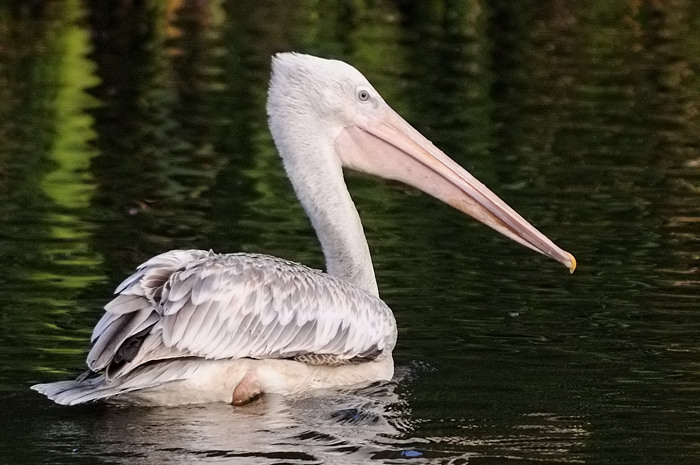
216 380
290 377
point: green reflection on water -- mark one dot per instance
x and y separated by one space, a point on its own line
70 185
46 196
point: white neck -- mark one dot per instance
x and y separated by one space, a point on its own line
322 191
306 110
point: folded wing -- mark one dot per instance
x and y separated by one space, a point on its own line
191 303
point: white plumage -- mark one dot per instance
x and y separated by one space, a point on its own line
194 326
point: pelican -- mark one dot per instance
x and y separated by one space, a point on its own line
192 326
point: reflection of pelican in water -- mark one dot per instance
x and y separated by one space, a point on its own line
377 423
350 424
192 326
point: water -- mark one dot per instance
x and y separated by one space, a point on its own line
129 130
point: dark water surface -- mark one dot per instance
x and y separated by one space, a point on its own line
129 130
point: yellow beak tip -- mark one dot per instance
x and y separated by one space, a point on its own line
572 266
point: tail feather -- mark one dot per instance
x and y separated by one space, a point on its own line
75 392
82 390
79 392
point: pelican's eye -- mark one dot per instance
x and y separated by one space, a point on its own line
363 95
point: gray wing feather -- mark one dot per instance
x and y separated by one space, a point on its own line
200 304
107 344
124 304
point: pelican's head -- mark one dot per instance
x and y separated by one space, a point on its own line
327 108
326 95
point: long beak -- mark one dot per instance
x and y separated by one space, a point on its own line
385 145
